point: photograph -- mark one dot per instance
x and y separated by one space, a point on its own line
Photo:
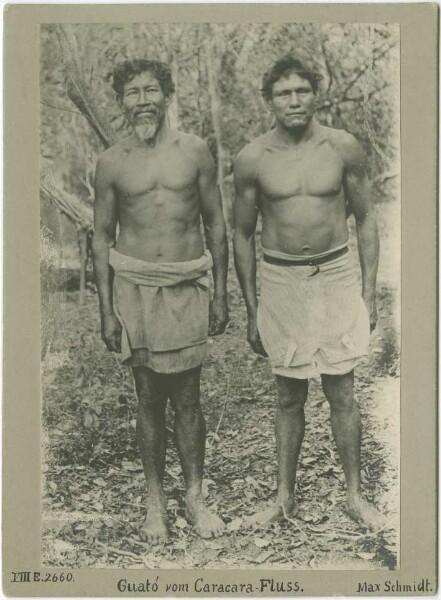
220 272
220 300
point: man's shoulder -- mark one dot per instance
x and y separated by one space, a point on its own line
191 142
343 142
114 153
251 152
194 147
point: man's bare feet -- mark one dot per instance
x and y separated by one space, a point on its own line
269 515
154 530
206 523
365 514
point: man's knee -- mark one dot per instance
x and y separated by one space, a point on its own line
185 394
339 390
150 387
186 400
292 393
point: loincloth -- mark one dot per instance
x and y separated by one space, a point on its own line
312 318
163 309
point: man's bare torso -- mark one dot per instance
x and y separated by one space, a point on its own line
301 193
158 200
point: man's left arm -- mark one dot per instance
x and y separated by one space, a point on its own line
215 236
358 193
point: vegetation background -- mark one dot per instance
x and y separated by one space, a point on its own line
94 492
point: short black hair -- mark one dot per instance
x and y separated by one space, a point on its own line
127 70
288 64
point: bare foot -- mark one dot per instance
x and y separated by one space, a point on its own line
271 514
365 514
206 523
154 529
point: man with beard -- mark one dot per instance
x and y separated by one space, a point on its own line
311 319
152 278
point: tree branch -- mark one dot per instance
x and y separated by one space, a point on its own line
79 213
74 112
365 67
328 66
77 88
368 97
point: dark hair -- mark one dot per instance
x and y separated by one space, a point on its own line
288 64
127 70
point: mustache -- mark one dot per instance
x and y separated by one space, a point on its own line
146 111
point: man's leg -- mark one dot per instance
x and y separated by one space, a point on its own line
190 440
290 429
346 427
151 435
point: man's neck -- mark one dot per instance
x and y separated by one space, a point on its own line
295 136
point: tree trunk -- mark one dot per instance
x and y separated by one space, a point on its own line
82 242
201 81
173 115
52 275
211 52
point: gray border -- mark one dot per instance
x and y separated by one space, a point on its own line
21 408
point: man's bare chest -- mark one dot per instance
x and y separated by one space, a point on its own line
314 172
143 172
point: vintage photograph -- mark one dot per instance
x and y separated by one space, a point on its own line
220 225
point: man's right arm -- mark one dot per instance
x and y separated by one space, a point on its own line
245 219
105 220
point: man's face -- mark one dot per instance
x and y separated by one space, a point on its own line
144 104
292 101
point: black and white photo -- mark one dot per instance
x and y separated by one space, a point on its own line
220 247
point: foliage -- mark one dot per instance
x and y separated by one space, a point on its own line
95 490
218 70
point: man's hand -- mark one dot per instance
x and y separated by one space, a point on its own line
371 306
111 332
218 316
254 340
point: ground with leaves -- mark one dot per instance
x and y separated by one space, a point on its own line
94 486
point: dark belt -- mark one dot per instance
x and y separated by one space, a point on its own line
312 262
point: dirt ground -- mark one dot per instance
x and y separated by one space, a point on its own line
94 491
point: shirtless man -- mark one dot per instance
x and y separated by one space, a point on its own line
311 318
155 185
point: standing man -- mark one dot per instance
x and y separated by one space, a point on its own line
311 318
152 278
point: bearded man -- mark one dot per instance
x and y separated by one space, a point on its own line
311 319
154 187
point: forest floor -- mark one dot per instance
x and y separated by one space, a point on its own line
94 490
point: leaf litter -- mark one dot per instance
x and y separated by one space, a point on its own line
93 463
